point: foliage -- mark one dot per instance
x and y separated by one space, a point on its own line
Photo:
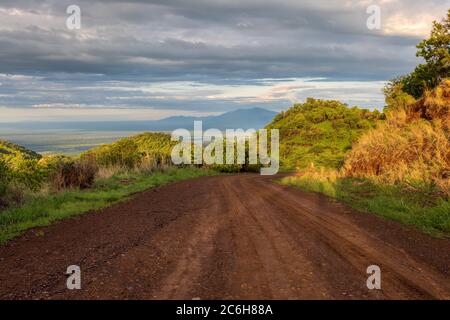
412 146
320 132
396 98
130 152
10 151
436 52
74 174
19 171
435 104
5 177
27 173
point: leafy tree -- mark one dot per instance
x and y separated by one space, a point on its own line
436 52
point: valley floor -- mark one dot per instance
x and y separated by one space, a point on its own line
225 237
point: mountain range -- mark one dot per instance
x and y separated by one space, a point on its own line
255 118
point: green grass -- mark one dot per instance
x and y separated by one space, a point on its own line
420 208
42 210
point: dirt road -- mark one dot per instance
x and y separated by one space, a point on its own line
227 237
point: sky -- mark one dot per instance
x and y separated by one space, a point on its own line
135 60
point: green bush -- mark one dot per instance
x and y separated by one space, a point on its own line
130 152
320 132
227 168
11 188
5 177
121 153
27 173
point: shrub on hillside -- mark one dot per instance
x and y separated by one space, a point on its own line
436 103
395 96
413 145
11 189
121 153
145 149
27 173
74 174
50 163
4 182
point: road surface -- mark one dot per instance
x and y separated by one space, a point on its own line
225 237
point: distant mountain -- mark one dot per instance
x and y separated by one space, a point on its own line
255 118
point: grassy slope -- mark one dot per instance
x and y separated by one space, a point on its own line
41 210
422 209
9 151
319 132
130 150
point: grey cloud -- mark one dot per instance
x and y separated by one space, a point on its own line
284 39
205 42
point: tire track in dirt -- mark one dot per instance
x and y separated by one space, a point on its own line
404 276
226 237
287 273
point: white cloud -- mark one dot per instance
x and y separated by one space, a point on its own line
65 113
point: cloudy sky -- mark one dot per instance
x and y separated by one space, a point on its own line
151 59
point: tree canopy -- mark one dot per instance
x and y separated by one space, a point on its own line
436 52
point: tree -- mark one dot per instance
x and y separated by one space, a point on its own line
396 98
436 49
436 52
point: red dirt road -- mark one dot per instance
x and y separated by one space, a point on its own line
226 237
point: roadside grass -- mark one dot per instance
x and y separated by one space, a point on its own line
43 209
422 208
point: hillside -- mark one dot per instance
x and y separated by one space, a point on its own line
399 170
9 151
320 132
131 151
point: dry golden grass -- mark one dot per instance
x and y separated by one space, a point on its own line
148 164
413 145
437 103
153 162
74 174
106 172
